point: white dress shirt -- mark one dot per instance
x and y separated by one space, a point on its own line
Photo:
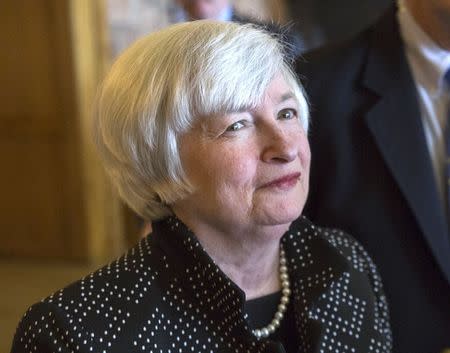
428 63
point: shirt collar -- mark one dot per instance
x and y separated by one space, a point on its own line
431 60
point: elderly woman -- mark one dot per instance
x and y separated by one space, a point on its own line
203 129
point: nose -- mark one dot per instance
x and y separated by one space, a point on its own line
280 146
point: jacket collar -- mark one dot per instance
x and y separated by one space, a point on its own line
313 266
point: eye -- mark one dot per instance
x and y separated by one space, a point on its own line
287 114
236 126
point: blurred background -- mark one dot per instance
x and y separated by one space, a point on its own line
59 218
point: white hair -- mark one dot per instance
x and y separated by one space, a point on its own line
161 84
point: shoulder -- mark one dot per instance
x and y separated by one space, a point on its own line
354 253
341 243
46 328
95 309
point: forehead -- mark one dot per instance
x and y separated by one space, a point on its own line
278 90
276 93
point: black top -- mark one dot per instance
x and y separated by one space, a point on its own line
260 312
167 295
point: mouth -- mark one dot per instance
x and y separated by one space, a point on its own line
285 182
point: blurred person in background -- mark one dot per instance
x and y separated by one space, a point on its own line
192 10
202 128
223 10
380 137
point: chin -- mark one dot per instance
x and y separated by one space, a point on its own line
283 216
279 210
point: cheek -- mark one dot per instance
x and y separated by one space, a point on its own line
233 169
220 170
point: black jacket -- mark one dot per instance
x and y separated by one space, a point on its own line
372 176
167 295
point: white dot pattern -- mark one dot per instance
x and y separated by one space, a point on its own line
167 295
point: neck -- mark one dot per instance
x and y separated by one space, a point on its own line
250 258
255 269
433 20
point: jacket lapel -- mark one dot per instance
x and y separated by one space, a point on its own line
331 285
314 266
401 140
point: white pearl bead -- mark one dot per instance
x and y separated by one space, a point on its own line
278 316
284 279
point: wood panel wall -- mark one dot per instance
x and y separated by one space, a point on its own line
56 202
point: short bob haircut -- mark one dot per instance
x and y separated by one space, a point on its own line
161 84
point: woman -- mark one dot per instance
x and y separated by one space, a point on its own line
202 128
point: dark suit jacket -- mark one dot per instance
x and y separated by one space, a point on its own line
167 295
372 176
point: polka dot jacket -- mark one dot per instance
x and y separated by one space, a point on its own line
167 295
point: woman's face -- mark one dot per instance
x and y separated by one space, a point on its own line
248 168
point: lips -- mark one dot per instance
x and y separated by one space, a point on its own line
284 182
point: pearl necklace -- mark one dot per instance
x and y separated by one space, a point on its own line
286 291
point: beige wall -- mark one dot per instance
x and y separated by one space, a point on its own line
56 202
